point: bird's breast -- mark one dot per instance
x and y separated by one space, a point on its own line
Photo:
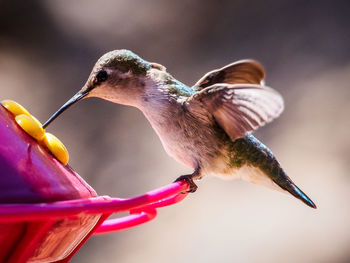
187 138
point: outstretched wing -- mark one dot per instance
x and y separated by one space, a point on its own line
243 71
238 108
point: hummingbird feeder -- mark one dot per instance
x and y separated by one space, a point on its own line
47 211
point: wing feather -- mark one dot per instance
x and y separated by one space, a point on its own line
243 71
239 108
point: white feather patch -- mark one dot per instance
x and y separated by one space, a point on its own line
256 176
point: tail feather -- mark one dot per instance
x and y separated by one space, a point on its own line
280 183
290 187
267 168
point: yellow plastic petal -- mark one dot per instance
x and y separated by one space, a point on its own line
56 147
30 126
36 120
14 107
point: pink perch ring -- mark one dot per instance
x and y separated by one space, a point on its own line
47 211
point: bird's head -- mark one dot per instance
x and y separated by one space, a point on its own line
118 76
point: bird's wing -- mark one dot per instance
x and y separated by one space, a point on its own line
238 108
243 71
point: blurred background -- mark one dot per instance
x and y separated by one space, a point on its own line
47 50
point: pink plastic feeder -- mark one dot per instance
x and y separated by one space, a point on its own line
47 211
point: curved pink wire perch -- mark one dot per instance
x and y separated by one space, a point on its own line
142 208
174 193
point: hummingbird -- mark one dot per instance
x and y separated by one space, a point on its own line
208 126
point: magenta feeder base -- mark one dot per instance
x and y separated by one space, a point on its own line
47 211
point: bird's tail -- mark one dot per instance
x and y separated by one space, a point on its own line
262 168
287 184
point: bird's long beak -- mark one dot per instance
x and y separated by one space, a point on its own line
80 95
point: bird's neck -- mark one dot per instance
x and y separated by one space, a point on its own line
161 87
162 98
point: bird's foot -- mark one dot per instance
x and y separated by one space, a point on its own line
189 179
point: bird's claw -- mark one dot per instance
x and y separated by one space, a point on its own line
189 180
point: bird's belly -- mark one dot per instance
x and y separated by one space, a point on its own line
179 147
191 146
188 139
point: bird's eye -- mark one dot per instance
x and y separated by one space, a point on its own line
101 76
